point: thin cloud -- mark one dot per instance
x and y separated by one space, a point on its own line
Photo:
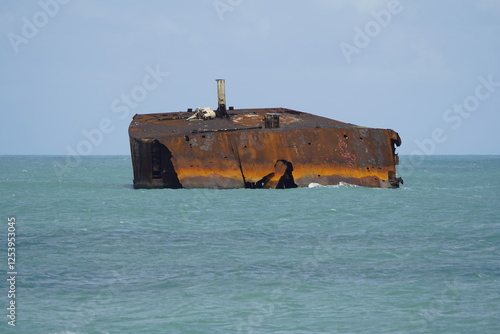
489 5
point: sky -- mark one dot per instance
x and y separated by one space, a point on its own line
74 72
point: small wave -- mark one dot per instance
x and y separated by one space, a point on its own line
341 184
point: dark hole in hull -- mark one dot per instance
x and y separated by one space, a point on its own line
286 180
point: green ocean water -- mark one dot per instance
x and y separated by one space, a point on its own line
94 255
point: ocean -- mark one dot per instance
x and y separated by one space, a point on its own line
93 255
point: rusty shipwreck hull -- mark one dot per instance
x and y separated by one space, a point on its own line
259 148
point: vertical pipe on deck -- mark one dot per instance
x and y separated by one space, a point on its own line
221 103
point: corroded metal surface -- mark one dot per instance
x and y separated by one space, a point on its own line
239 151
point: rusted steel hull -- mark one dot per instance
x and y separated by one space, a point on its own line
240 152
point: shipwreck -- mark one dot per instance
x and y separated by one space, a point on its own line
281 148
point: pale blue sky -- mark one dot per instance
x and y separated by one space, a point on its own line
66 67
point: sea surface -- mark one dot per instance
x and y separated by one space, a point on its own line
93 255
